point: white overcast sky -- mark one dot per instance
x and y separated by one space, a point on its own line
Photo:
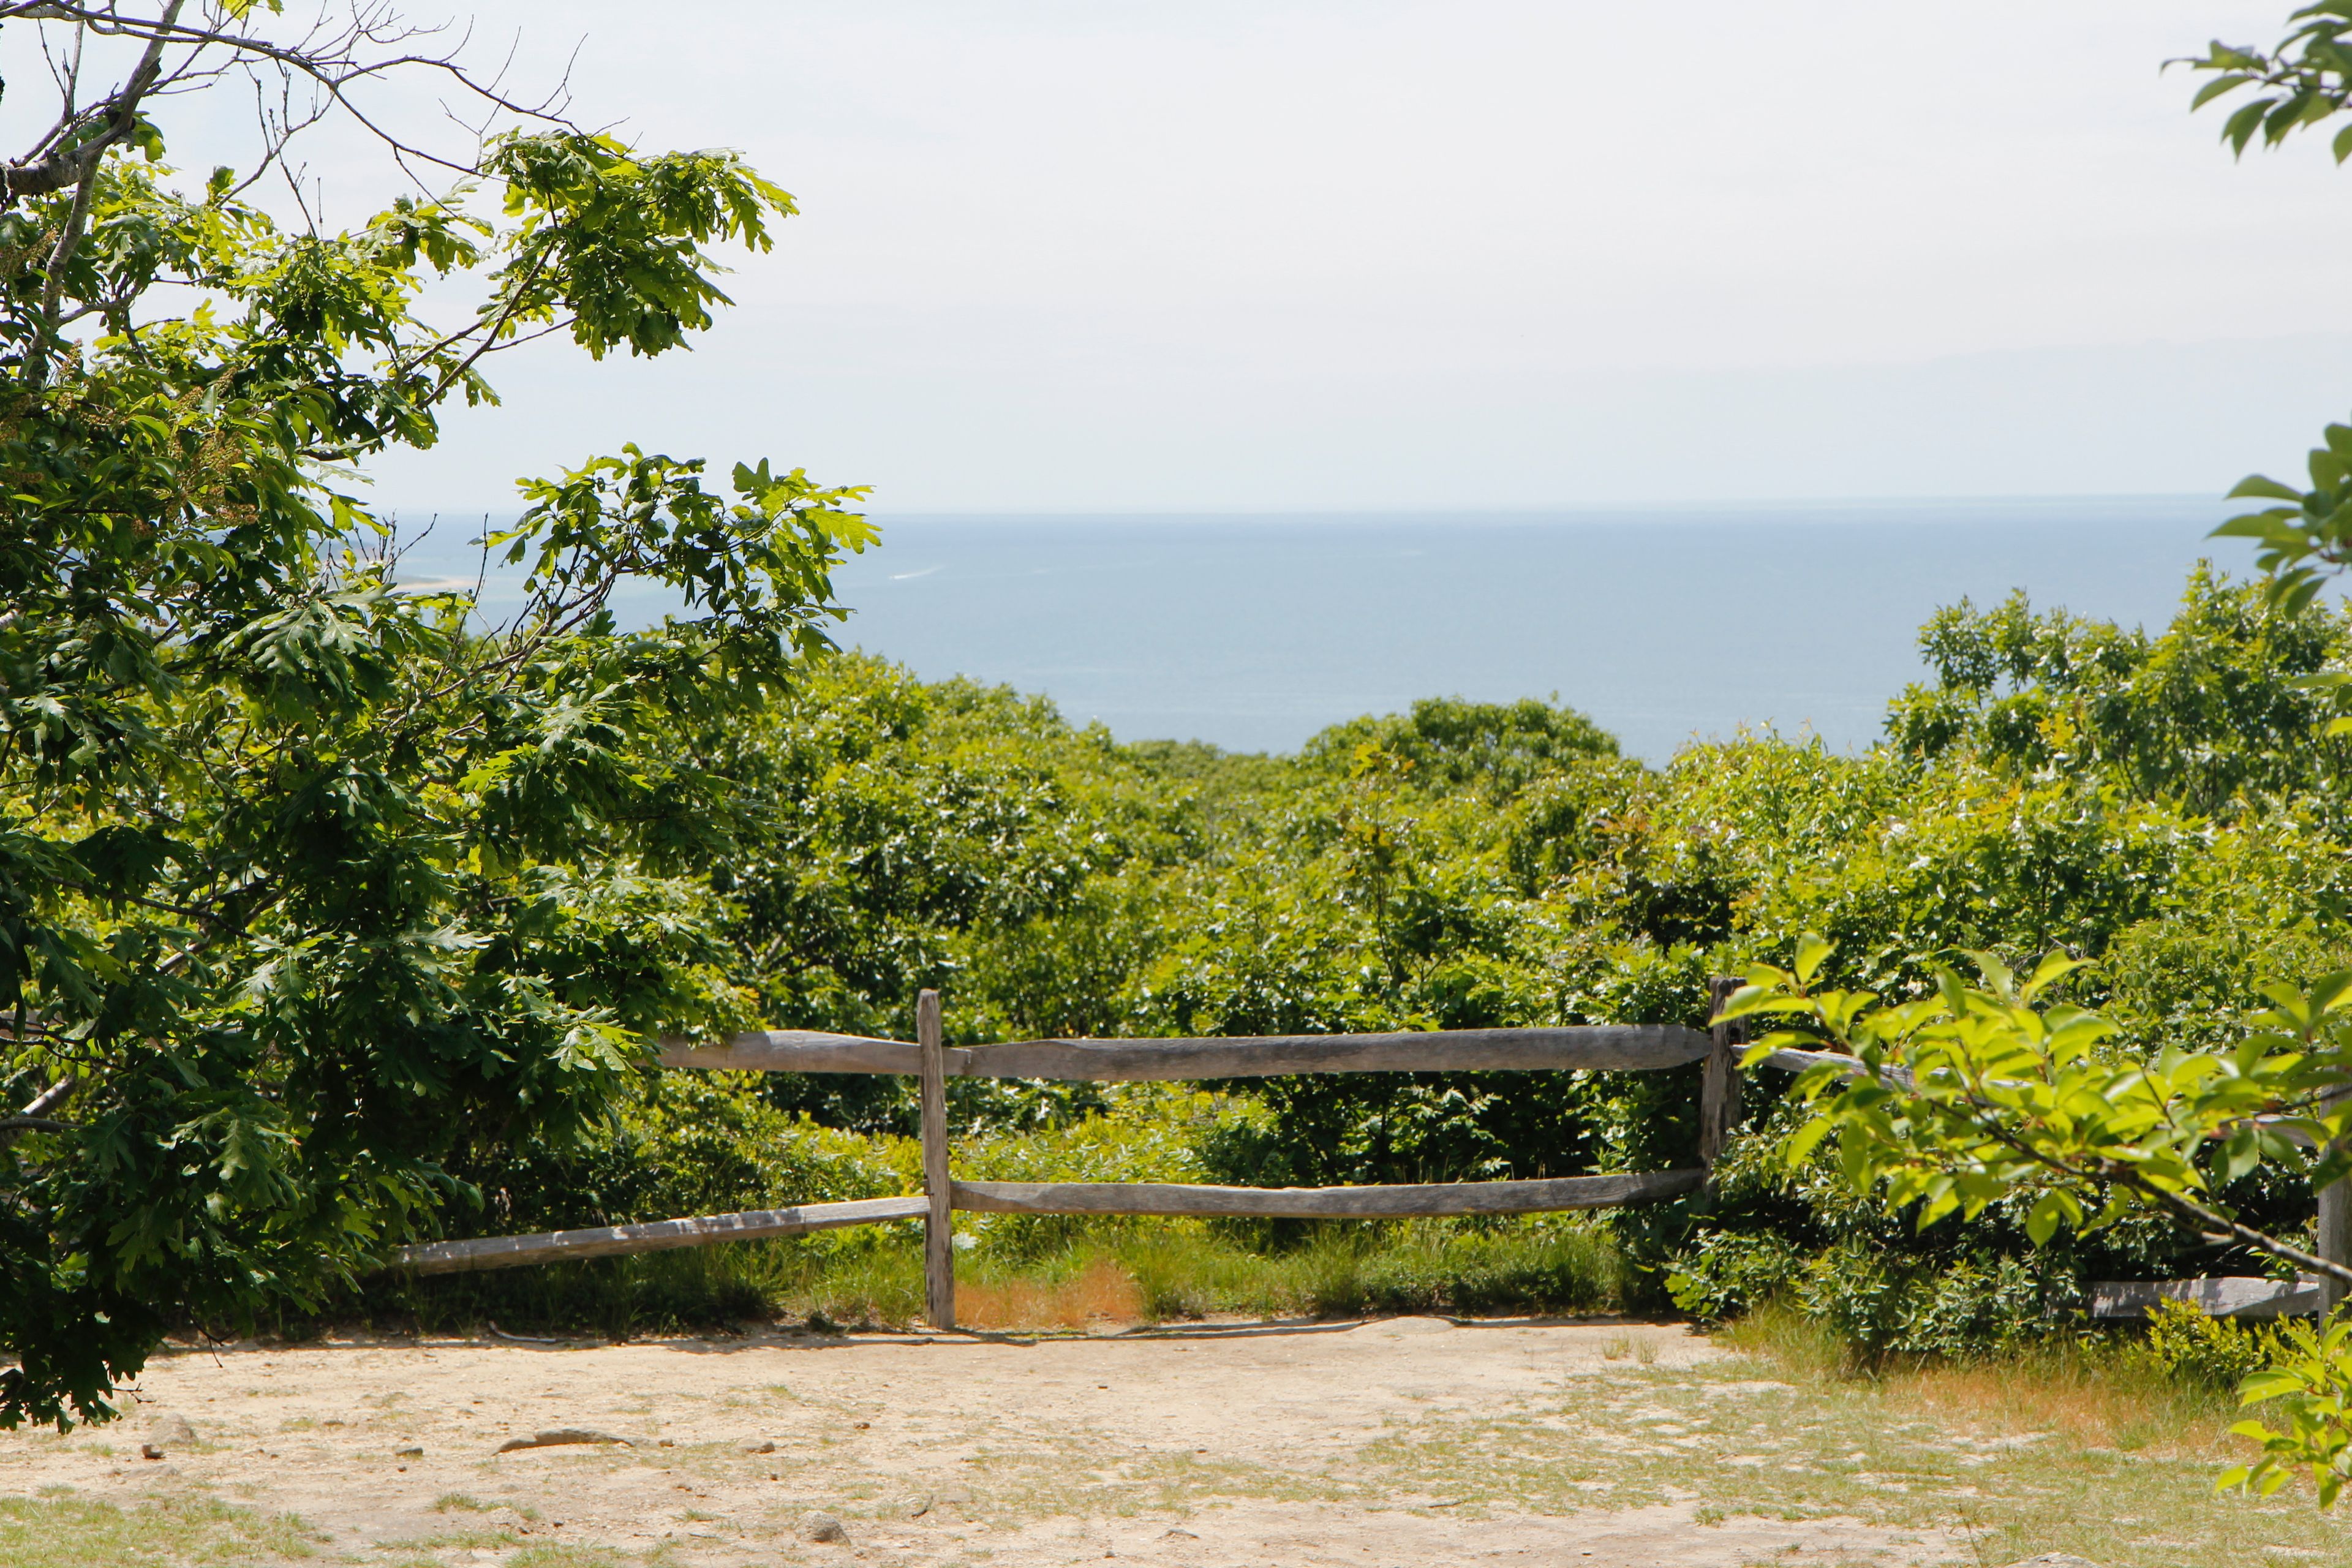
1289 253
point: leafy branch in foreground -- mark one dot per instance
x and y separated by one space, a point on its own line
2303 80
2307 538
1978 1092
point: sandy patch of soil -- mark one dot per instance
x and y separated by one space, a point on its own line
1210 1445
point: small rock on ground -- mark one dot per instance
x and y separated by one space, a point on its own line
823 1529
172 1429
2053 1560
556 1436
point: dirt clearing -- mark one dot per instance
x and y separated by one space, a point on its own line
1392 1443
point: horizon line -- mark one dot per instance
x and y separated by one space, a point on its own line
1440 513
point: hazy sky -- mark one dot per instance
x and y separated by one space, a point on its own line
1105 254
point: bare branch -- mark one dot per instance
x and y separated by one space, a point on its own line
370 41
2188 1208
48 1099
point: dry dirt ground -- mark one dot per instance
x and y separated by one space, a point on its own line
1394 1443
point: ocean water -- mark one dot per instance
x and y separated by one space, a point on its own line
1663 624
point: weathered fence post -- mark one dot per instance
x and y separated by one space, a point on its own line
1718 1100
938 1228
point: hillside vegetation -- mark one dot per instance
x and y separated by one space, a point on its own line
2167 806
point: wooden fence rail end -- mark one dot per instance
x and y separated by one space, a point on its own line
653 1236
2223 1296
1798 1061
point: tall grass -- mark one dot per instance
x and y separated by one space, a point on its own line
1146 1272
2099 1388
1118 1271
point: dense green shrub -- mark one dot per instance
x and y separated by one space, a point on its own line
2162 805
2186 1346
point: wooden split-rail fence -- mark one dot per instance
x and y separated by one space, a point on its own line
1591 1047
1587 1047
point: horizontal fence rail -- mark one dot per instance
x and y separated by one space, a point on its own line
1788 1060
1597 1047
2223 1296
653 1235
1325 1203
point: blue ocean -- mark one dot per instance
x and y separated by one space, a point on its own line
1663 624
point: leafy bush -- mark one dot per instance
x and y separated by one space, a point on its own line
1468 866
2188 1346
1727 1274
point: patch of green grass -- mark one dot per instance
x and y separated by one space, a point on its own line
60 1527
1177 1270
461 1502
555 1555
454 1541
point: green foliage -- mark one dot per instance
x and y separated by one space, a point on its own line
2308 1381
343 916
1498 747
1880 1304
2305 80
1728 1274
2211 713
684 1143
1052 881
1974 1094
2198 1350
316 892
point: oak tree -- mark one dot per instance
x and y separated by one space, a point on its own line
309 880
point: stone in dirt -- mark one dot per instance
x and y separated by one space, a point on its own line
556 1436
2053 1560
149 1451
172 1429
822 1529
758 1445
922 1503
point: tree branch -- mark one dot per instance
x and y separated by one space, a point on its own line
75 165
33 1115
